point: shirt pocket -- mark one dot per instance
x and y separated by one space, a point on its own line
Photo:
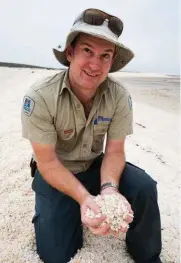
99 133
67 139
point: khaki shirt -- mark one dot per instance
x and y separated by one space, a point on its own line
52 114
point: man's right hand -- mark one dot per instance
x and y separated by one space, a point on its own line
93 223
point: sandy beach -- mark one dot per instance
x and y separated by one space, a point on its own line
154 146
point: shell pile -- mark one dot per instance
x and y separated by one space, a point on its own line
115 210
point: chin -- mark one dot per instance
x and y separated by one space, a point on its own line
90 86
91 83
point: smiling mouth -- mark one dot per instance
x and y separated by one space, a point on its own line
91 74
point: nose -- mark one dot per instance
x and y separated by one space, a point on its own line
95 63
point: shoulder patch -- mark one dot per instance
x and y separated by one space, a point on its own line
130 102
28 105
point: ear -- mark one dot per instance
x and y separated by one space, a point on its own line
69 53
113 58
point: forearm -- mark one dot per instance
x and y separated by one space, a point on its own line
112 167
63 180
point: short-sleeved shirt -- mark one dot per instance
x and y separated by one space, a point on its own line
52 114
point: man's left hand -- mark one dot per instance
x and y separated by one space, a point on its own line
128 219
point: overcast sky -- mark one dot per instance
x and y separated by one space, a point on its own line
30 28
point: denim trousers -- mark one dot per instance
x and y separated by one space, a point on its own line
57 220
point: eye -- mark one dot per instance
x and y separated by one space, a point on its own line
87 50
106 56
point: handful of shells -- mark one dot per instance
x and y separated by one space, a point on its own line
114 208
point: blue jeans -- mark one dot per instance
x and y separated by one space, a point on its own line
57 220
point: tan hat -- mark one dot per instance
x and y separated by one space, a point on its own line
123 54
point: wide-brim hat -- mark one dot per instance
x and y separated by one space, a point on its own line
123 54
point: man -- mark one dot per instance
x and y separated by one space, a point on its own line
66 118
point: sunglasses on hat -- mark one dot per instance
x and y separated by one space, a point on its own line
97 17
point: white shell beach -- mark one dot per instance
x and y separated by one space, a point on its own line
154 146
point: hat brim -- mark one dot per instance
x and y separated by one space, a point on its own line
122 57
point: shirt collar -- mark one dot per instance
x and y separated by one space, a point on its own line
65 83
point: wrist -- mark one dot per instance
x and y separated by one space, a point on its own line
109 190
83 196
109 185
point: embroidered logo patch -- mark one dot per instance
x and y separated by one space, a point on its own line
28 105
130 102
102 119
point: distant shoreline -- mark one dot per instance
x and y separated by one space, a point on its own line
19 65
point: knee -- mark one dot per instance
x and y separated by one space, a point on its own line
46 241
148 187
135 180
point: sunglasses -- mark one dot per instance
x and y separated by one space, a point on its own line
97 17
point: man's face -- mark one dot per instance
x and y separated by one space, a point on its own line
90 61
